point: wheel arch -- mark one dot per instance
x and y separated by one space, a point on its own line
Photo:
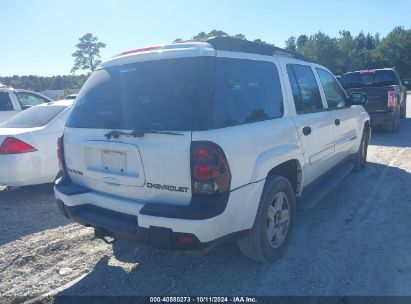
290 169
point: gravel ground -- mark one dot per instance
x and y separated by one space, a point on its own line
355 242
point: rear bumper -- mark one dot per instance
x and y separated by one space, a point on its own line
128 219
23 170
382 119
124 226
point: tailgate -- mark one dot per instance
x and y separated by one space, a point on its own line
377 98
154 168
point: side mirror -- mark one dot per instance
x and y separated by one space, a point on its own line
357 98
406 82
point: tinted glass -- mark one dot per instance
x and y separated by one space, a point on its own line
5 102
28 100
245 91
305 90
33 117
154 95
369 79
333 92
70 97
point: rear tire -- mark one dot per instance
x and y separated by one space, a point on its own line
273 224
361 157
394 126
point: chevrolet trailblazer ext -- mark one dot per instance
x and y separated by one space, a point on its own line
183 146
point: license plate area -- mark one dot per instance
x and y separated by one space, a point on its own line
114 161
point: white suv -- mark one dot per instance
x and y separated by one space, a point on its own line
183 146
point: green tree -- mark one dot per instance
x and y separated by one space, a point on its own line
200 36
322 49
240 36
290 44
395 51
217 33
301 40
87 55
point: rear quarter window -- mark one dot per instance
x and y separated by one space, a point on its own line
245 91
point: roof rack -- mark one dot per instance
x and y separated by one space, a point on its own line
228 43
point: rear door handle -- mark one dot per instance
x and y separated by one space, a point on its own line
307 131
337 122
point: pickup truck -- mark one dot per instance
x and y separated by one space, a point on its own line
12 101
387 95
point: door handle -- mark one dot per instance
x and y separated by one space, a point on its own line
307 131
337 122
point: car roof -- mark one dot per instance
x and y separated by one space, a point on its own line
200 48
370 70
10 89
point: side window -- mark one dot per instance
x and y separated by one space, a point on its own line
245 91
28 100
5 102
305 90
334 94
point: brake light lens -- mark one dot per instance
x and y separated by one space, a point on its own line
392 99
210 172
13 145
145 49
185 239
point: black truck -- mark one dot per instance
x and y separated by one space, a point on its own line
387 96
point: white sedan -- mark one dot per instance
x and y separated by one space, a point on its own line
28 144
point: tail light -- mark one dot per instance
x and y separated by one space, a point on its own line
145 49
13 145
185 239
210 172
392 99
60 153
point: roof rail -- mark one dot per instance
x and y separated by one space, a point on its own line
228 43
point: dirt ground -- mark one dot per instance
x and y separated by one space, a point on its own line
355 242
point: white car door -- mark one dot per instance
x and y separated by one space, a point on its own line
314 123
7 107
344 116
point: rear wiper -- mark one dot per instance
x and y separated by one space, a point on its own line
136 133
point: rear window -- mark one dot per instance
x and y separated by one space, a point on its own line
33 117
373 78
153 95
184 94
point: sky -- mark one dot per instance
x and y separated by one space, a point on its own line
39 36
